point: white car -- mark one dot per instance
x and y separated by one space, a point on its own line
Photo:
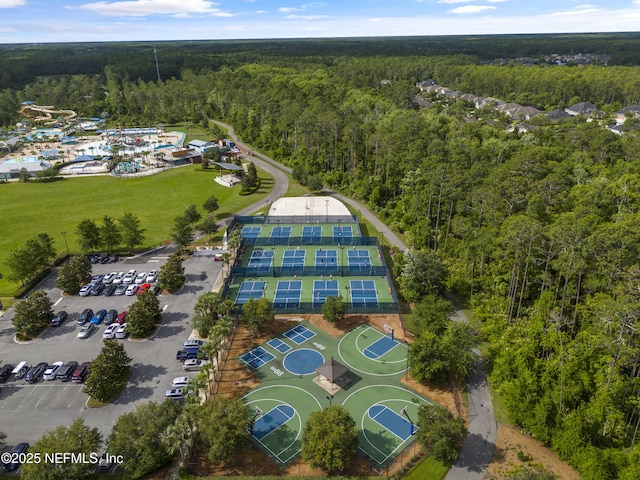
194 364
121 331
152 276
117 280
129 277
86 330
110 331
180 382
174 393
132 289
108 278
86 290
51 372
140 278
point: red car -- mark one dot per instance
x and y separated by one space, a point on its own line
81 373
143 288
121 318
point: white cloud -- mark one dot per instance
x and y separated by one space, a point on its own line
496 1
141 8
11 3
471 9
288 9
307 17
578 10
456 1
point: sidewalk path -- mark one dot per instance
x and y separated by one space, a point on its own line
478 448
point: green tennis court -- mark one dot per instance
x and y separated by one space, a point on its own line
372 365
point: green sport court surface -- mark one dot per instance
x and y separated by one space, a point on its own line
383 408
297 266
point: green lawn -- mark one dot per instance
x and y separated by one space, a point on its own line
428 468
28 209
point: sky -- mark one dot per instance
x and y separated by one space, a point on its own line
45 21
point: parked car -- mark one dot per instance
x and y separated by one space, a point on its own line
156 290
97 289
5 372
129 277
132 289
110 317
152 276
104 464
16 453
109 289
121 332
120 289
35 373
66 371
81 373
98 317
52 371
122 317
193 343
140 278
117 280
185 354
143 288
108 278
110 331
194 364
97 278
85 316
86 290
180 382
21 370
174 393
86 330
59 318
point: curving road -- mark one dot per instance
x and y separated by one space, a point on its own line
477 451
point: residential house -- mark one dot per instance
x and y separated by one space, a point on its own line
557 114
632 111
583 108
517 111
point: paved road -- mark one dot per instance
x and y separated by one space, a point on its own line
478 449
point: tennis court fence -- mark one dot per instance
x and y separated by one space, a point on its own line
289 271
310 241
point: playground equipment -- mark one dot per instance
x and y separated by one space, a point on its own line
45 114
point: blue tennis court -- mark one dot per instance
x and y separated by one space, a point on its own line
359 259
293 260
257 357
342 234
323 289
392 421
250 290
363 294
379 347
280 234
278 345
272 420
326 260
299 334
288 294
260 261
251 233
311 233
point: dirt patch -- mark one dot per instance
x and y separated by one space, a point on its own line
514 448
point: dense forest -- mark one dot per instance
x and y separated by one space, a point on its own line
539 230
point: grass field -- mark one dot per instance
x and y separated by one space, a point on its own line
28 209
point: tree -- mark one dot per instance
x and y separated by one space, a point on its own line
314 183
256 314
182 232
106 370
423 273
223 427
110 235
432 313
144 315
89 235
22 264
191 214
171 274
440 433
208 226
142 437
33 314
206 312
210 205
43 249
132 233
77 438
250 177
73 273
330 440
333 310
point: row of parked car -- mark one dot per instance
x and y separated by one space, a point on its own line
116 322
191 356
56 371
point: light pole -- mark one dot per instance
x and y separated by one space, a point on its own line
326 210
64 234
347 312
329 397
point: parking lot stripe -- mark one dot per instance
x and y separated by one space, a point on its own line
59 300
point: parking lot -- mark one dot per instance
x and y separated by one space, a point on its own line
28 410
